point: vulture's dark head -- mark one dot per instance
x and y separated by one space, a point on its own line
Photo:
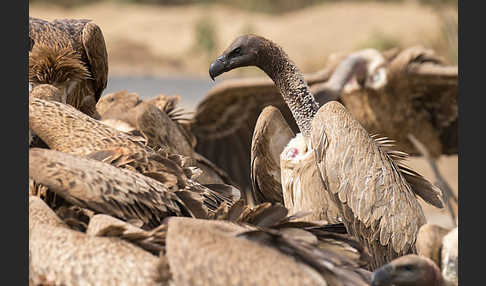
408 270
243 52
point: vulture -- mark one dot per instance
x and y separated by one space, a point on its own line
406 91
294 160
152 240
244 245
59 255
429 241
161 124
71 55
441 246
67 130
375 193
125 194
408 270
209 252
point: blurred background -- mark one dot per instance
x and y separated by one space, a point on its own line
166 46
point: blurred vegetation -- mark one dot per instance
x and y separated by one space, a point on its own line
205 37
380 41
265 6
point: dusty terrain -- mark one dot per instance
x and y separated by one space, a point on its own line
162 41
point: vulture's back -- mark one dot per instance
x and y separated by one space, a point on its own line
376 193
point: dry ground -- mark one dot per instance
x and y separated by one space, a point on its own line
161 40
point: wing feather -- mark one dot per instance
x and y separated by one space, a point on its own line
95 48
373 191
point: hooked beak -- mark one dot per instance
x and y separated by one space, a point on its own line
217 67
382 276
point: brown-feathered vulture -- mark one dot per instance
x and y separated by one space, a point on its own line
161 124
59 255
65 129
375 193
411 90
71 55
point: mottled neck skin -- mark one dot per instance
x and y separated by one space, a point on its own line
290 82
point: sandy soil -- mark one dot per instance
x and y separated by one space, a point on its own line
153 39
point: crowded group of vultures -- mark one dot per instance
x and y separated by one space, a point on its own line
291 179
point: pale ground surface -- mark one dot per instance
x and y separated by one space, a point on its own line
159 41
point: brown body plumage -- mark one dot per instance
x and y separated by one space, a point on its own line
61 256
283 170
202 252
104 188
270 137
71 55
159 124
376 195
65 129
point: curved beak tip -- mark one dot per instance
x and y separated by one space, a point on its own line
216 68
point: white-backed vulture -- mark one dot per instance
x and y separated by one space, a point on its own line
71 55
413 90
375 193
296 159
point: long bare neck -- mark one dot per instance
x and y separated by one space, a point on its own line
291 84
344 71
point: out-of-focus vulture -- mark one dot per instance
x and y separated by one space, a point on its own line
208 252
62 256
441 246
71 55
376 195
45 92
162 124
65 129
119 192
429 241
450 257
411 90
408 270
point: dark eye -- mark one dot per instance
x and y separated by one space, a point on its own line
408 267
236 51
